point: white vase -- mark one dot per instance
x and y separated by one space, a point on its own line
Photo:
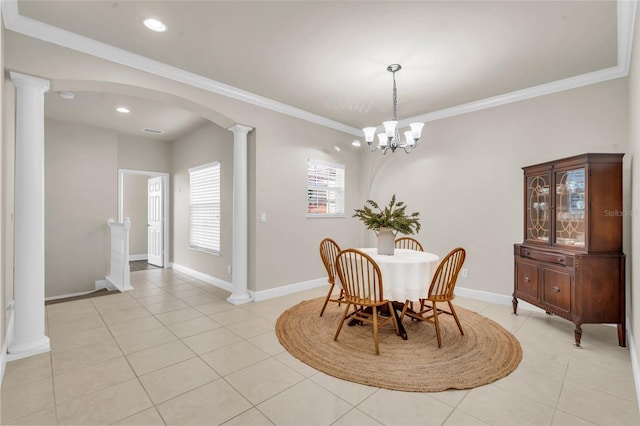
386 241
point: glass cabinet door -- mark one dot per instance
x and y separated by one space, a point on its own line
538 208
570 208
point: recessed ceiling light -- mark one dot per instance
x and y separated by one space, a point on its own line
355 143
155 25
67 95
336 148
123 110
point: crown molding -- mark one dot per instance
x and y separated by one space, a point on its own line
626 10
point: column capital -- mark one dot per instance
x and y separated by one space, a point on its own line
24 80
239 129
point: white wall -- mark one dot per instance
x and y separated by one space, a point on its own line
466 179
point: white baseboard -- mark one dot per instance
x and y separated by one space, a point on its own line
8 339
225 285
64 296
287 289
500 299
633 353
112 284
138 257
256 296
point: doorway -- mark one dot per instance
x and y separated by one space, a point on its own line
142 226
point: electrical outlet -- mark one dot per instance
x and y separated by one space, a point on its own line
464 273
228 269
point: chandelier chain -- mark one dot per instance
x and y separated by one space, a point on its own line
395 98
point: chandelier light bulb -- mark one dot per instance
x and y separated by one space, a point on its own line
382 139
408 137
390 128
416 130
369 133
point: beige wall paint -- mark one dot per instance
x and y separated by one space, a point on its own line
80 196
8 190
633 154
286 245
137 153
204 145
135 208
466 177
3 265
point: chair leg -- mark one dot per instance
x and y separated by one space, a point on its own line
455 316
393 318
375 329
340 297
326 300
344 316
437 323
404 309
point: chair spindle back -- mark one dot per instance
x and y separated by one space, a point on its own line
408 243
329 250
444 280
360 276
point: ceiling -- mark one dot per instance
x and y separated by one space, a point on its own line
329 58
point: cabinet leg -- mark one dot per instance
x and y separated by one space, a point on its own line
578 334
515 305
622 335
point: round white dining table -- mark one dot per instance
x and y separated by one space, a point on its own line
407 274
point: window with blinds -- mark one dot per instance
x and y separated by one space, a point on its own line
325 189
204 207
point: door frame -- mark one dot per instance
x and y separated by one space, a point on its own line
165 204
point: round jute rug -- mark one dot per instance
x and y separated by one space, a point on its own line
486 352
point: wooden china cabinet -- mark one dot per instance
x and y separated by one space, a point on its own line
571 262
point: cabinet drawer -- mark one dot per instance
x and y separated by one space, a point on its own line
527 279
545 256
556 289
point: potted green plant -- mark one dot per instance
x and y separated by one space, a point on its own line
387 222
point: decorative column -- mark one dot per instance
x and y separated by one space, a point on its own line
29 338
240 220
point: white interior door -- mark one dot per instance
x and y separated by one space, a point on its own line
155 243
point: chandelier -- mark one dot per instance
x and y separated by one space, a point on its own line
390 139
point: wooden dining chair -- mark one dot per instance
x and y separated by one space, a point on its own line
329 250
362 283
408 243
440 290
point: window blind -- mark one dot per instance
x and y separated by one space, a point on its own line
325 188
204 207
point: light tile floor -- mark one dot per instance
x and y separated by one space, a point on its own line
173 351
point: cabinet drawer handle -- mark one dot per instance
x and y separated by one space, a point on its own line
561 259
527 279
556 289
